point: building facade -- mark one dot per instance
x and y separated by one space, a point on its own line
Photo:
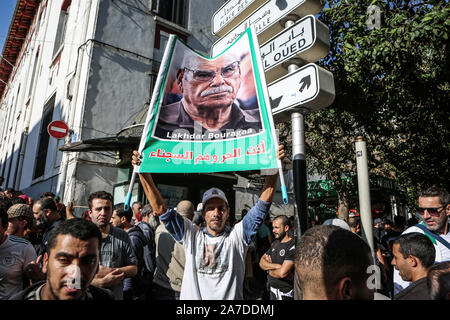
91 64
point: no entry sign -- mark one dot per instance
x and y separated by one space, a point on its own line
58 129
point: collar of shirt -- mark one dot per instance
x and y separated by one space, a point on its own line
227 230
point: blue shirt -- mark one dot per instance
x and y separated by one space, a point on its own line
174 222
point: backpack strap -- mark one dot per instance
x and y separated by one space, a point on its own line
433 235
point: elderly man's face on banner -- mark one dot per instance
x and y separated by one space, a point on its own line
209 84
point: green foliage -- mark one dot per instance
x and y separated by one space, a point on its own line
392 87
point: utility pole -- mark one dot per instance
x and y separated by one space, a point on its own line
364 192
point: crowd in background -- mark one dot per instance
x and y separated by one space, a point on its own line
142 253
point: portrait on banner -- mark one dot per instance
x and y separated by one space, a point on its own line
209 99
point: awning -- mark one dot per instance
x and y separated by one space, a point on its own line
101 144
126 138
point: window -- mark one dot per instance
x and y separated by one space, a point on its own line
11 158
172 10
15 105
44 138
4 162
62 24
16 173
10 116
33 74
3 169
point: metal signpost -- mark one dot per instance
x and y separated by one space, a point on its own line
295 42
291 37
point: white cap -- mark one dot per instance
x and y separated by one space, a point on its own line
338 223
213 193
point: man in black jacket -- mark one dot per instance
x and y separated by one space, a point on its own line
70 263
413 254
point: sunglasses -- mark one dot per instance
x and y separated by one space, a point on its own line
225 72
434 212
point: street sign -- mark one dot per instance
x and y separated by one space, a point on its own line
306 40
307 89
231 14
58 129
266 20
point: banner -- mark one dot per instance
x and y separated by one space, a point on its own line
209 114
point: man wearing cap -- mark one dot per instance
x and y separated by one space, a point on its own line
215 254
15 255
20 218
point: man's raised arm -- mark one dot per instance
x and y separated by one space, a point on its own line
153 195
255 217
271 181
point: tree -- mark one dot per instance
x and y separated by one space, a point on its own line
392 87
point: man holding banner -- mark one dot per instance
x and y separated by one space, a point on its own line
215 255
212 89
209 102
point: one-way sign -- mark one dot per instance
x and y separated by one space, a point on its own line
307 89
305 83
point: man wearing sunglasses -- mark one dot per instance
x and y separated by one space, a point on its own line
434 210
209 109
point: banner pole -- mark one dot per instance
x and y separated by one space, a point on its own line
155 96
130 190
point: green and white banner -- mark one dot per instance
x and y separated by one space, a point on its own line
209 114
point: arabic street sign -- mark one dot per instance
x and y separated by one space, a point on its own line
307 40
266 20
307 89
231 14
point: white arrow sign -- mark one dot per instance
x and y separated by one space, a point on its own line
266 20
307 40
307 89
231 14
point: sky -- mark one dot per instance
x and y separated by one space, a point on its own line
6 12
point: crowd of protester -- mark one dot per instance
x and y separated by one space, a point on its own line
152 252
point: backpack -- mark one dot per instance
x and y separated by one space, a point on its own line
149 251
